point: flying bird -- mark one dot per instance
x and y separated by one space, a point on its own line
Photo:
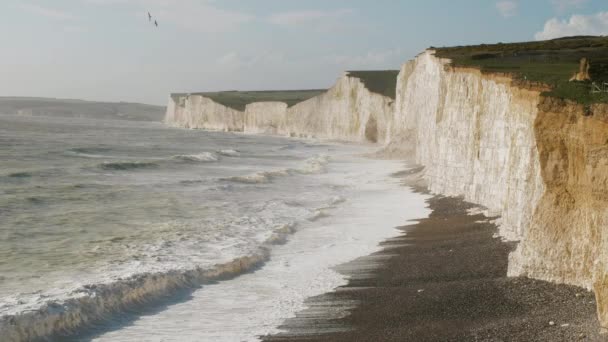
149 17
156 23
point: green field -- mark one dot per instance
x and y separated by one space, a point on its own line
383 82
551 63
239 99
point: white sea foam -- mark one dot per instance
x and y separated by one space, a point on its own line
48 317
201 157
256 304
318 214
229 153
314 165
337 200
259 177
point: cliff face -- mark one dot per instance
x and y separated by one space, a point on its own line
196 111
567 240
348 111
540 164
474 134
266 118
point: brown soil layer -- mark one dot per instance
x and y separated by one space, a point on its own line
444 280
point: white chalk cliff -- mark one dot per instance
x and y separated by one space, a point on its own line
347 111
196 111
539 163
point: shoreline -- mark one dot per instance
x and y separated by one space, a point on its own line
444 279
302 267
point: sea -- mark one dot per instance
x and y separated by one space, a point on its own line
120 230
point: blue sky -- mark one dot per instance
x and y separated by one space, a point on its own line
107 49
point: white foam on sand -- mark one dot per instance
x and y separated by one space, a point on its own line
256 303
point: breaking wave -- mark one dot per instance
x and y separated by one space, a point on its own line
201 157
337 200
94 304
318 214
313 165
258 178
229 153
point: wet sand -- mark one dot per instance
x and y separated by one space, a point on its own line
444 280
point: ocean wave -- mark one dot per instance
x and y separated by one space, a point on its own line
201 157
258 178
280 235
89 152
191 181
90 149
19 175
337 200
313 165
229 153
318 214
288 147
97 303
123 166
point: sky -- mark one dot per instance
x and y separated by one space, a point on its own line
107 50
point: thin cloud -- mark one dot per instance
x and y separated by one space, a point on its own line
564 5
235 60
507 8
191 15
203 18
294 18
595 24
47 12
369 60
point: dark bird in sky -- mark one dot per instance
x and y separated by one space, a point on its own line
149 17
155 23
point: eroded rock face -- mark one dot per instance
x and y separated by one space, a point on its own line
567 240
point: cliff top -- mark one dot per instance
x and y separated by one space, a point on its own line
383 82
239 99
551 62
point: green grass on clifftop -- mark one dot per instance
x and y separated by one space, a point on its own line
239 99
383 82
551 62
